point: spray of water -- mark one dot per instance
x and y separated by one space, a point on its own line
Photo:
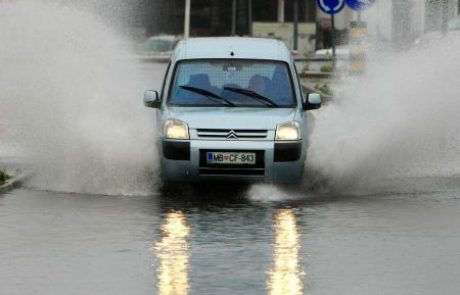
399 120
70 101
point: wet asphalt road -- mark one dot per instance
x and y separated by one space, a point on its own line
259 240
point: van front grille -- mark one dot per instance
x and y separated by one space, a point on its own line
232 134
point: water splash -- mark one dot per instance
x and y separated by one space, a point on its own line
267 193
70 101
399 120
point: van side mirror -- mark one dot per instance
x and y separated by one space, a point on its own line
152 99
313 101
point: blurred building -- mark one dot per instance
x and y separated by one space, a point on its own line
214 17
235 17
393 21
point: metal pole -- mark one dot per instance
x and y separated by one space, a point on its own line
187 19
296 24
333 37
250 17
359 16
281 11
233 17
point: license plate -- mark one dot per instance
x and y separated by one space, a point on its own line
237 158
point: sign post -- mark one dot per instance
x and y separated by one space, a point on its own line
359 5
187 19
331 7
357 34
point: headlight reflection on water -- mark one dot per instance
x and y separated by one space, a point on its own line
172 252
285 276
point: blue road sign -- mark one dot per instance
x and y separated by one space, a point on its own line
331 6
359 4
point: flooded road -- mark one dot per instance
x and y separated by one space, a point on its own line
224 242
72 114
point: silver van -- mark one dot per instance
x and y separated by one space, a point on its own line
232 109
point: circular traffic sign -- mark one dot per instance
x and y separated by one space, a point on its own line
331 6
359 4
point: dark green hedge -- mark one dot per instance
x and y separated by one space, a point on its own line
3 177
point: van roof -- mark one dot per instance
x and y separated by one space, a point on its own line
223 47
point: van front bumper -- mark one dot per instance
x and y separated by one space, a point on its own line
278 162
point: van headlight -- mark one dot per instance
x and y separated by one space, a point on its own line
287 131
176 129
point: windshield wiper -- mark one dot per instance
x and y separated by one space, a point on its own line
208 94
253 94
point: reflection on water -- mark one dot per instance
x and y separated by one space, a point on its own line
285 277
172 253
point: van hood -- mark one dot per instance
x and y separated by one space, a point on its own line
232 118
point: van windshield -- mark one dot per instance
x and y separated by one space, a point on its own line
232 83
